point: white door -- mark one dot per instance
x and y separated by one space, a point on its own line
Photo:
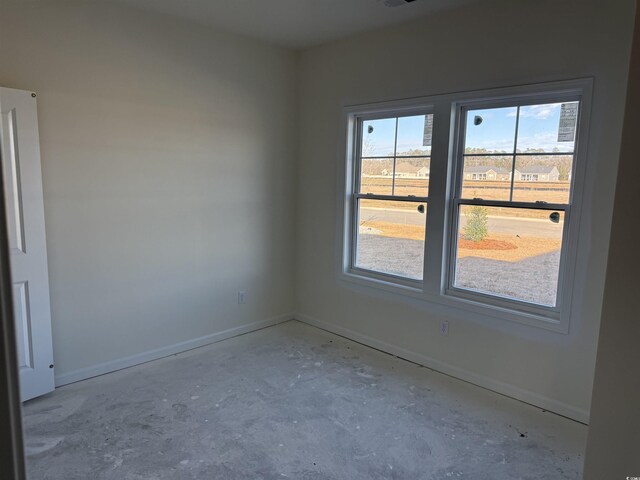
27 242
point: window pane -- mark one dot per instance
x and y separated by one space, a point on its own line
491 130
376 176
412 176
391 237
378 137
542 178
547 128
414 135
488 178
509 252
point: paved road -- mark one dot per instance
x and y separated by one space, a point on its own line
505 225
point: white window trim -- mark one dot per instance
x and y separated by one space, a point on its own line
434 289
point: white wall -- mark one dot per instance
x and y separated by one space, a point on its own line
169 170
167 155
491 44
614 432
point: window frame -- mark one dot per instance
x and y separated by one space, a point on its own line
552 312
358 195
445 170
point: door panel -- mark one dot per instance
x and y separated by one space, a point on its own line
23 325
13 195
27 240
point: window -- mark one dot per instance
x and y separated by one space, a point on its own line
497 172
392 189
508 239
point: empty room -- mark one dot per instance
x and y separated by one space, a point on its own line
319 239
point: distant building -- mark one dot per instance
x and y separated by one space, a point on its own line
407 170
537 173
486 173
533 173
424 172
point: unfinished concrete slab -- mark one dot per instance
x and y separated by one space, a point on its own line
292 401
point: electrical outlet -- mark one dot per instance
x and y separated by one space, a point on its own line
444 328
242 298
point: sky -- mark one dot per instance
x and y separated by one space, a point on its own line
381 141
538 128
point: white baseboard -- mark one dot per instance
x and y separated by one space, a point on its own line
503 388
155 354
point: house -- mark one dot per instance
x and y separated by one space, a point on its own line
424 172
534 173
199 288
537 173
486 173
405 169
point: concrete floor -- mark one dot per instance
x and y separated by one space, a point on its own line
292 401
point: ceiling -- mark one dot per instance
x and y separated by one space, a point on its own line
294 23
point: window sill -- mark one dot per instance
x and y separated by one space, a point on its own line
454 303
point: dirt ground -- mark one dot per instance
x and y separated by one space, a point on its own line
508 248
522 267
532 278
550 192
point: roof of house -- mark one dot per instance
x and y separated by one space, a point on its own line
536 169
484 169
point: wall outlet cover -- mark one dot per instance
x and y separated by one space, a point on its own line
444 328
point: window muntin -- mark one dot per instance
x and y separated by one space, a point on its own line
522 207
391 192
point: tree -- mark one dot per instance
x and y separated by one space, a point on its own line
476 227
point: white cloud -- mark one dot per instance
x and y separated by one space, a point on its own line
539 112
493 145
546 141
